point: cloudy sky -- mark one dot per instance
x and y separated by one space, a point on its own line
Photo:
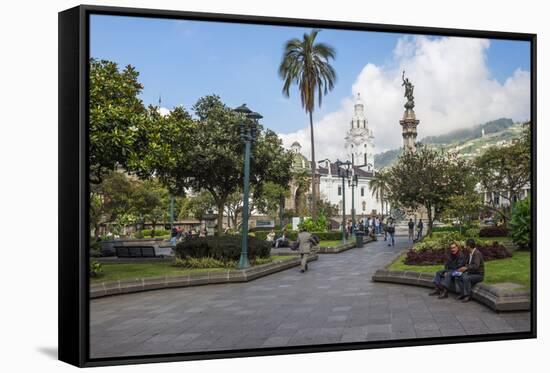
459 82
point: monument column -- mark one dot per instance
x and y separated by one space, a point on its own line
409 121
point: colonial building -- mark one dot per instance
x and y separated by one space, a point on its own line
359 146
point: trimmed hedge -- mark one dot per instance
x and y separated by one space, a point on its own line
158 232
500 231
431 256
225 248
445 229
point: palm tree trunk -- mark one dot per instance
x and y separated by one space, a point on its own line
382 203
313 168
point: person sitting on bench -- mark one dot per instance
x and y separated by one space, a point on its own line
443 278
281 241
471 273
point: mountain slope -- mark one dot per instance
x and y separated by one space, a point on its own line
468 142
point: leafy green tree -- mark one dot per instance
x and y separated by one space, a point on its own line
110 200
429 178
218 151
150 202
269 202
306 64
166 142
504 172
465 207
197 205
520 223
116 117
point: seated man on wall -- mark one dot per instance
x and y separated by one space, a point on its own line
443 278
271 237
282 241
471 272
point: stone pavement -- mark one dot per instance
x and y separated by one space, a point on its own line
335 301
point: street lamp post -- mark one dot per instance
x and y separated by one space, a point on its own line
343 173
353 183
248 128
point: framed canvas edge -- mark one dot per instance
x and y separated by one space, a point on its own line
73 285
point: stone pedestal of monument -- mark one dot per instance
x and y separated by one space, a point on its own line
408 124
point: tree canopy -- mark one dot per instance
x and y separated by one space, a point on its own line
429 178
116 117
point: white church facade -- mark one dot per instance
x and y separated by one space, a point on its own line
359 147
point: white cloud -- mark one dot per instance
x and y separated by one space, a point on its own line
164 111
453 89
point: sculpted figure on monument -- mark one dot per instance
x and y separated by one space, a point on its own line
409 88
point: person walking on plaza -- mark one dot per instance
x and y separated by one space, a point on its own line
443 278
377 225
472 272
411 230
174 235
391 232
361 226
305 241
419 228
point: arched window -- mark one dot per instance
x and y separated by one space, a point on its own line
364 205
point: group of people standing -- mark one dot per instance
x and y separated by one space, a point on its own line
178 234
375 226
419 229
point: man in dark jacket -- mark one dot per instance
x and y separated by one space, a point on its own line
472 271
443 278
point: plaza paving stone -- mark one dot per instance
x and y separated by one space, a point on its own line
335 301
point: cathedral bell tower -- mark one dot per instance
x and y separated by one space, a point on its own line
359 140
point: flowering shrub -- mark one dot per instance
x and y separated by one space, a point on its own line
438 255
310 225
499 231
96 269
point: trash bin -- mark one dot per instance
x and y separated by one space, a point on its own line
359 238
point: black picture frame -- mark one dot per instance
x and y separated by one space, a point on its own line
73 184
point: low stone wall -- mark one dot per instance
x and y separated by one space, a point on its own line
204 278
321 250
498 297
117 260
336 249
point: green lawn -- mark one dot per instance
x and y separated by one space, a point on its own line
332 243
115 272
516 269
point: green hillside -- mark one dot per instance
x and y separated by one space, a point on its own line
467 142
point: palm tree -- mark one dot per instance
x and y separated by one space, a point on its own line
306 64
379 187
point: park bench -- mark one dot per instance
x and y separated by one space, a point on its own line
135 251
